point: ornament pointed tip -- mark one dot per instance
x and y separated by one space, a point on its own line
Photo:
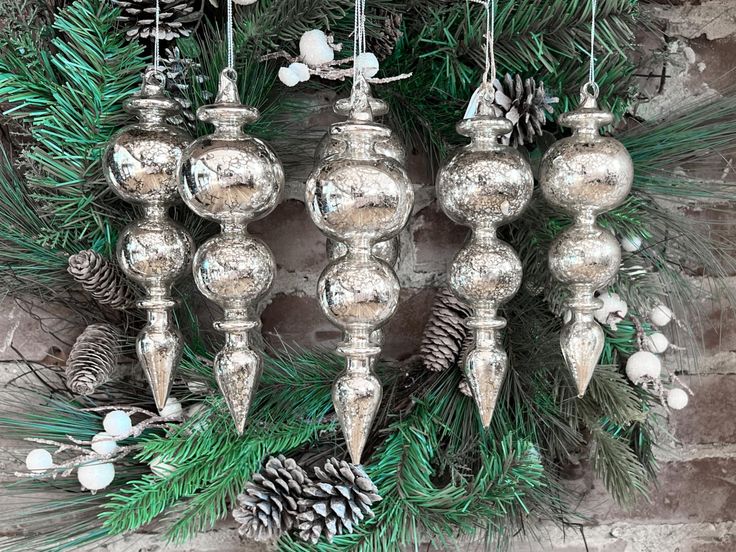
357 398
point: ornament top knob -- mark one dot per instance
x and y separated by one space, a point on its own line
227 113
361 105
150 105
482 122
588 117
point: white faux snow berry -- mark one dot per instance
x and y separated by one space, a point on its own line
117 423
172 408
367 64
612 305
96 476
39 460
160 468
661 315
301 70
656 342
643 364
244 2
104 443
677 399
288 77
315 49
632 244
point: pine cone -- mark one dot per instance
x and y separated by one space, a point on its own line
101 279
464 387
445 332
524 104
93 358
337 503
382 44
176 18
268 506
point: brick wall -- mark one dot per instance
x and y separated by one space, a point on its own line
695 506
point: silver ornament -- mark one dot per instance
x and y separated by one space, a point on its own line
233 178
140 166
484 185
585 175
359 196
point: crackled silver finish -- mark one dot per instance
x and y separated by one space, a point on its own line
359 196
585 175
233 179
140 166
484 185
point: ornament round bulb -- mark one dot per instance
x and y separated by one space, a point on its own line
104 443
140 166
233 178
677 399
661 315
117 424
484 185
585 175
39 460
96 476
358 196
643 364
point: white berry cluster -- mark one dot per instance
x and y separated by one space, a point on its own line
96 470
316 51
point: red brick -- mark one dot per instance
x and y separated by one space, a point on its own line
403 332
436 238
696 491
295 241
707 419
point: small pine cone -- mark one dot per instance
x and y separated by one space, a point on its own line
526 105
382 44
464 387
334 505
93 358
101 279
445 332
268 506
176 18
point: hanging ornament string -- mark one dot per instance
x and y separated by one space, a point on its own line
156 40
489 51
230 49
358 37
591 87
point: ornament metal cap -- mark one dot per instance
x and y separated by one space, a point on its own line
227 111
151 102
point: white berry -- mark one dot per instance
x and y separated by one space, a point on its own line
172 408
117 423
103 443
315 49
160 468
288 77
612 304
97 476
301 70
677 399
631 244
244 2
39 460
643 364
661 315
656 342
367 64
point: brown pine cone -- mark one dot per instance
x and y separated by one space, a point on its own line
101 279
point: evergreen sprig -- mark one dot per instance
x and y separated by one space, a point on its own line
69 100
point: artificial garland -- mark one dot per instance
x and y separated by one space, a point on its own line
437 472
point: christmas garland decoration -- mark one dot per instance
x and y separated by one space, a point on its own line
430 469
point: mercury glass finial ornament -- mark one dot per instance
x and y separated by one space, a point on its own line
585 175
140 166
233 179
484 185
359 196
